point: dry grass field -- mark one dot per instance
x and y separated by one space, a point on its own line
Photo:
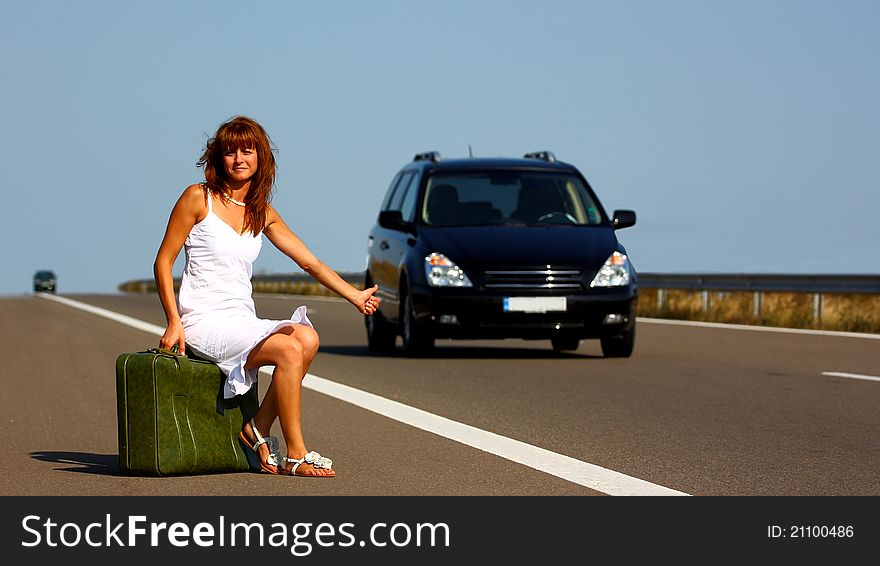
842 312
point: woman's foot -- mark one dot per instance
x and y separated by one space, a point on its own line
266 448
310 464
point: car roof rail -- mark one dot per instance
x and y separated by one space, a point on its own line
428 156
545 155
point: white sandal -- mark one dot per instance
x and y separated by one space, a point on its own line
271 464
316 460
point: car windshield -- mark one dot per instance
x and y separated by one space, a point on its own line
509 198
45 275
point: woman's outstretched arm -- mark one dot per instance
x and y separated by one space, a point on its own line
283 238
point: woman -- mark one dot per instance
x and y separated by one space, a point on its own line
221 223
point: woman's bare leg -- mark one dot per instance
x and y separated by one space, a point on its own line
291 351
309 340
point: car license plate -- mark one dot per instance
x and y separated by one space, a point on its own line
534 304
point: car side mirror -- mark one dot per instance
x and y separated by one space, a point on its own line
623 219
392 219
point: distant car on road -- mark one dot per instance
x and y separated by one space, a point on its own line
45 281
499 248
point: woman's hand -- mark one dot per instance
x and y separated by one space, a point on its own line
366 302
173 336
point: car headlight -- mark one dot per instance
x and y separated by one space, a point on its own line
615 272
442 272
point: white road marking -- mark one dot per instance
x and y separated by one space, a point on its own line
565 467
570 469
851 375
759 328
121 318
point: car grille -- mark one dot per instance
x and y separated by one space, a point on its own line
532 279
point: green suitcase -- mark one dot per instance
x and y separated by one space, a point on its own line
173 419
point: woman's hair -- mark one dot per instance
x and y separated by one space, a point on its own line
241 132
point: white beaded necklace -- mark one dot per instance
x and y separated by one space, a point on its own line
233 201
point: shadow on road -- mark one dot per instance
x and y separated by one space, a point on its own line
83 462
462 352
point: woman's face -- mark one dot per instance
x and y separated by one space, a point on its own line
241 164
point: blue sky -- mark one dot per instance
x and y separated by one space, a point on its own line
744 134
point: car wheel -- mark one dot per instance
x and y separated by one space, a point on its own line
561 343
380 334
619 346
416 339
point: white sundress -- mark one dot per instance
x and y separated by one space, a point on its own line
215 299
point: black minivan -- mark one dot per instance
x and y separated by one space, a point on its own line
499 248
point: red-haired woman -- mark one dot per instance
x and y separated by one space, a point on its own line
220 223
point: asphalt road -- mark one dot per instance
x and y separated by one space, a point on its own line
696 410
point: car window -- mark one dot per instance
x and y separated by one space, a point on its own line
390 192
584 202
402 185
509 197
408 206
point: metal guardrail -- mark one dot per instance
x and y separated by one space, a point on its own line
758 284
262 283
868 284
705 283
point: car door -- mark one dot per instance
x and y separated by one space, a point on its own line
388 245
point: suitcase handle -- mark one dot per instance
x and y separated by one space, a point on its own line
191 356
174 351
